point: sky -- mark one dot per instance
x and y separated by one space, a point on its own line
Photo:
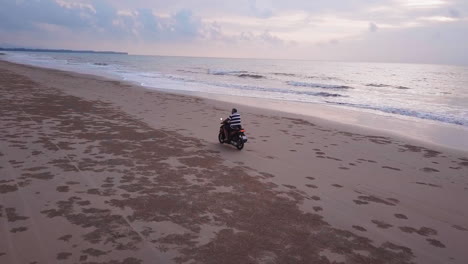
409 31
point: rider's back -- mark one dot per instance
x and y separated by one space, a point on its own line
235 120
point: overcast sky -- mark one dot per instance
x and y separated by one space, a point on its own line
427 31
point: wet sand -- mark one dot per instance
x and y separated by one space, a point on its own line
99 171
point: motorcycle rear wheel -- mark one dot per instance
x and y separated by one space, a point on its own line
240 144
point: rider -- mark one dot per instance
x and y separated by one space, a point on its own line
233 122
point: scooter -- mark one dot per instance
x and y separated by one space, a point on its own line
238 137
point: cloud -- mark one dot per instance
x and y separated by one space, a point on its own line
183 25
454 13
148 21
258 12
100 19
24 15
441 43
373 27
267 28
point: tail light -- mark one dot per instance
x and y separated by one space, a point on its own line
242 130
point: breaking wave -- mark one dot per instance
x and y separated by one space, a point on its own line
224 72
284 74
241 74
254 76
386 85
318 85
445 118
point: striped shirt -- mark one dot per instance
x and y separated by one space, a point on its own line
235 120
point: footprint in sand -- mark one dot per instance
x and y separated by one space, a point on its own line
423 231
4 188
63 189
332 158
435 243
359 228
391 168
359 202
63 255
429 184
461 228
363 199
317 208
381 224
426 169
400 216
18 229
65 238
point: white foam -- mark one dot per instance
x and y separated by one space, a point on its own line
441 117
358 97
226 72
318 85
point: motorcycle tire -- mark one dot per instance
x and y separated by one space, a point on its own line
221 138
240 144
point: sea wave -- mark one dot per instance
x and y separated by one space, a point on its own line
241 86
241 74
324 78
284 74
187 71
254 76
445 118
302 76
277 90
226 72
387 85
318 85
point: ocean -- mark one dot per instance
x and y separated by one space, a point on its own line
417 92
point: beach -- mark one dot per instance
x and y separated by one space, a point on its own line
94 170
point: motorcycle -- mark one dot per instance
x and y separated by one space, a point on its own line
238 137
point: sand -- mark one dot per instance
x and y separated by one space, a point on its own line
100 171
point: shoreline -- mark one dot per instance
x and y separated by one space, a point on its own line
133 172
427 132
445 136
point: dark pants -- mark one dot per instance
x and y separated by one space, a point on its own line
227 131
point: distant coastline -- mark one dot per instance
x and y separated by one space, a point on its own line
62 50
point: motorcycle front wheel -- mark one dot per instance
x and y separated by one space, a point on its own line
221 137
